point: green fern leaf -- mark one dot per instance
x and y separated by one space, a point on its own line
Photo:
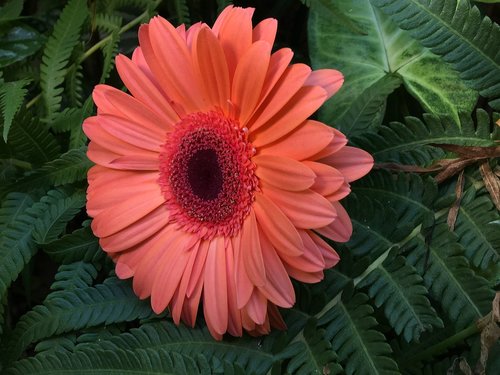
410 195
61 208
182 12
110 51
31 141
79 245
478 229
110 302
397 286
221 4
74 86
410 143
107 22
67 120
57 53
13 207
76 275
98 362
464 295
11 98
314 354
11 10
454 30
253 355
68 168
351 328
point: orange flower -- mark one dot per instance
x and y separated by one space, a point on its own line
210 181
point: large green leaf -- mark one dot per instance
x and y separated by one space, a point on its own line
366 58
20 42
454 30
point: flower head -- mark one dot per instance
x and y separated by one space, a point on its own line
211 185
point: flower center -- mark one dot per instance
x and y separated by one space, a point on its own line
206 174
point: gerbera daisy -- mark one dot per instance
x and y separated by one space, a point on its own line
211 185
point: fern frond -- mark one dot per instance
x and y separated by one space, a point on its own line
221 4
66 120
13 207
76 275
410 143
74 86
110 302
351 328
455 31
376 226
57 53
79 245
61 208
464 296
478 229
98 362
182 12
69 167
397 286
11 98
410 195
11 10
31 141
314 354
107 22
254 355
110 51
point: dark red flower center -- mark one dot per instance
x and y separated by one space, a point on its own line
206 174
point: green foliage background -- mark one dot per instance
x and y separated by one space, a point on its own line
409 291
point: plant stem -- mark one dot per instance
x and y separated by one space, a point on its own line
19 163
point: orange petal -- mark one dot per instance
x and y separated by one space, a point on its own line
290 82
341 229
305 277
243 284
277 227
144 90
198 268
275 318
234 30
278 288
305 209
257 307
331 80
136 233
144 160
191 304
311 260
135 162
342 192
301 106
248 79
234 320
266 31
328 179
250 252
337 143
302 143
353 162
210 64
329 254
215 305
285 173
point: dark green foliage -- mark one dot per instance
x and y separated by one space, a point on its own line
11 97
57 53
76 275
456 31
79 245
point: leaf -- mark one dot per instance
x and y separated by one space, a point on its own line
464 295
107 303
455 31
365 59
98 362
414 142
11 98
478 229
351 328
79 245
20 42
11 10
13 207
397 286
69 167
314 354
72 276
61 208
57 53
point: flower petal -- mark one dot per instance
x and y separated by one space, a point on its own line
329 254
331 80
248 79
305 141
328 179
339 230
353 162
243 283
250 251
215 305
285 173
265 30
234 318
257 307
277 227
